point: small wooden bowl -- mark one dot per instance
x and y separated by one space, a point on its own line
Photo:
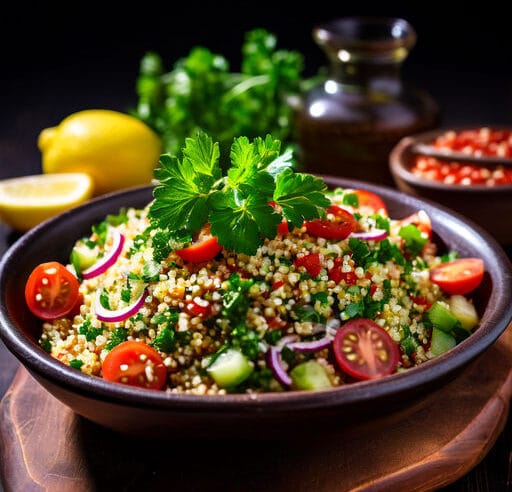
489 207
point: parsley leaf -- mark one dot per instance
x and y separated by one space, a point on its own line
301 196
192 192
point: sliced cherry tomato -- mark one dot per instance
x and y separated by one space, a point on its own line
370 203
459 276
51 291
136 364
421 220
199 307
337 274
364 350
339 228
310 262
204 248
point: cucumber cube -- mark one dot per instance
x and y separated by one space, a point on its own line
309 375
230 368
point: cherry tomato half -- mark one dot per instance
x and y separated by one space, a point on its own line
204 248
51 291
459 276
370 203
339 228
364 350
136 364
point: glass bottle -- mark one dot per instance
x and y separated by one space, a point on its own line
348 124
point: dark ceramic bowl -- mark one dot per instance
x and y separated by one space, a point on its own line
152 413
490 207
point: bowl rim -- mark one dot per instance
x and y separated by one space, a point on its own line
44 366
400 167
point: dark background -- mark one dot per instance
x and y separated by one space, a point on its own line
86 55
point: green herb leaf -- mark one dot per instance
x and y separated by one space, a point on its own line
191 193
301 196
414 240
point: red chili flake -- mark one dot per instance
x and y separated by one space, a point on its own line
480 142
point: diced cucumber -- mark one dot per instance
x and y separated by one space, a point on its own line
441 342
464 311
309 375
441 317
83 257
230 368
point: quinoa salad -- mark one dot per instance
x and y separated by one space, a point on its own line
348 295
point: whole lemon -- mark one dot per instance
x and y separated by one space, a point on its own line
116 149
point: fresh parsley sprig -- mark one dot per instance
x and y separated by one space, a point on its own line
203 90
243 206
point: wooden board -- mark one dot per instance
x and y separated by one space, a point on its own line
45 446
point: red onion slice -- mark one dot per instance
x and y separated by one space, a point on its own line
275 364
104 263
118 314
286 340
311 346
373 235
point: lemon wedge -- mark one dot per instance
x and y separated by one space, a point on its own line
28 200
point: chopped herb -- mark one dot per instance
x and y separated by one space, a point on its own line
385 251
321 297
104 298
234 299
351 199
167 317
381 222
246 339
76 363
151 271
116 220
88 331
126 291
414 240
354 309
452 255
273 336
46 345
164 341
101 230
117 336
360 250
308 313
161 245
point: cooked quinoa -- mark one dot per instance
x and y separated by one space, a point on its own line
193 312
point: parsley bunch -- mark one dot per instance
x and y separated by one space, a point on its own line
202 92
244 205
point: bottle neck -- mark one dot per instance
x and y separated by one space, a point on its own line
364 76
